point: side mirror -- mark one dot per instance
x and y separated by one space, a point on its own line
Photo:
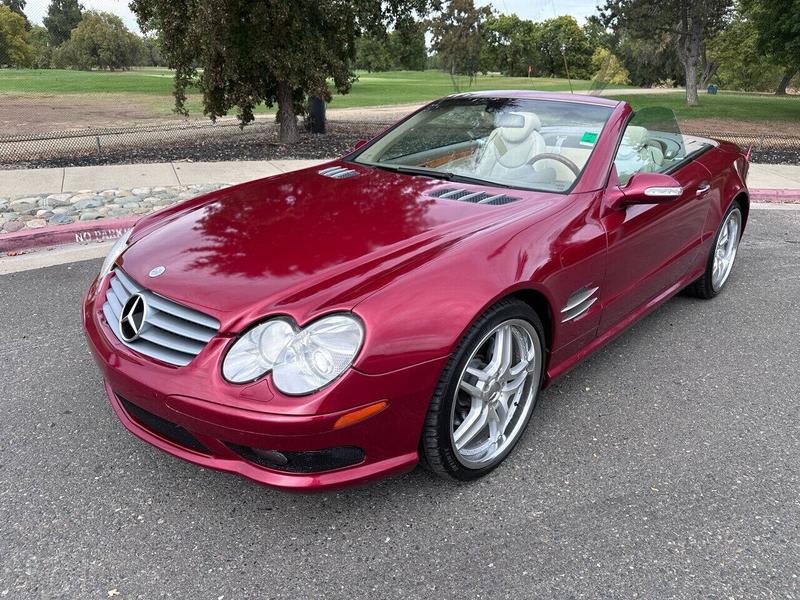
360 143
650 188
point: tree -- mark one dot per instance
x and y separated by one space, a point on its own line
565 47
271 51
39 40
15 50
456 36
102 41
62 17
511 45
407 45
17 6
688 22
778 25
608 69
740 64
372 53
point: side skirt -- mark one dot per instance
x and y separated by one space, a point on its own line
605 338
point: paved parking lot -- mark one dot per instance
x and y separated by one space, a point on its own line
666 466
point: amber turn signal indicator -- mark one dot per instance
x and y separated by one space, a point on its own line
360 414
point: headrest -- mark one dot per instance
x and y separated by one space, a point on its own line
515 127
634 136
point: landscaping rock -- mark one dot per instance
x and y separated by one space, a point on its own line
80 197
90 203
61 220
36 224
13 226
142 191
90 216
58 199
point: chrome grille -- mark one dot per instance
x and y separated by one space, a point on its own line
171 333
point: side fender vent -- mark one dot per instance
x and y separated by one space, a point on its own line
471 196
578 303
338 172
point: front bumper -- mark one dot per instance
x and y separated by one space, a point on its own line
192 413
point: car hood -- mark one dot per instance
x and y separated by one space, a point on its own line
304 240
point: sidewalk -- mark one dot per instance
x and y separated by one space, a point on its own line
31 182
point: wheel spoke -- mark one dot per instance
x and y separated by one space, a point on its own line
470 389
473 424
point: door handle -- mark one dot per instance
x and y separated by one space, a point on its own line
703 188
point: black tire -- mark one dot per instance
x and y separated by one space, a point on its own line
437 453
703 287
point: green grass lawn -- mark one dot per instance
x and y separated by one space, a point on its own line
749 108
152 88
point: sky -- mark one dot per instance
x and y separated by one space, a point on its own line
534 10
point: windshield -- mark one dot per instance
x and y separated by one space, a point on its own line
534 144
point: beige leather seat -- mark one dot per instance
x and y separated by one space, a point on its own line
510 147
636 154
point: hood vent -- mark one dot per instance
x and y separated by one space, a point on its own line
338 172
471 196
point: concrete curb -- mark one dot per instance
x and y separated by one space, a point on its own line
101 230
104 230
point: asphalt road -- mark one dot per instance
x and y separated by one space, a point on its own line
666 466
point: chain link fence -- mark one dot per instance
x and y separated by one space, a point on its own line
225 139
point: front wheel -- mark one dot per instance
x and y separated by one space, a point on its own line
486 394
722 256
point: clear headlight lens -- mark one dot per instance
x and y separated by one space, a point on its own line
301 361
256 351
116 251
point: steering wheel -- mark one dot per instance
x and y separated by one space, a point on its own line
558 158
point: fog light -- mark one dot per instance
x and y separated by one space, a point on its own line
271 456
314 461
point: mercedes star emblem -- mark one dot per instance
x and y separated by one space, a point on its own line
132 318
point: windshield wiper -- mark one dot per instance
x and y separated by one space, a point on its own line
446 175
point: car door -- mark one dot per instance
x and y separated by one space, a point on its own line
651 247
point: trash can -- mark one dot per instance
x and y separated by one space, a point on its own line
712 89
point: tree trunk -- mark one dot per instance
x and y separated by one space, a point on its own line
691 83
787 78
287 119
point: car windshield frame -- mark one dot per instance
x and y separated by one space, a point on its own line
474 178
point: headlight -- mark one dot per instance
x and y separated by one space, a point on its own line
301 361
256 351
116 251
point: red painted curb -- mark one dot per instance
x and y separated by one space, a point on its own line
779 195
102 230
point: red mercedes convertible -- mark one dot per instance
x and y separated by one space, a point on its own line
407 303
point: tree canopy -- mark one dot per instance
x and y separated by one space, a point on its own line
268 52
777 26
62 17
102 41
15 50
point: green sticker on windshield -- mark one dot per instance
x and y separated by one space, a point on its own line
589 138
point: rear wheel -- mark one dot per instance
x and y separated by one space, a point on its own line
722 255
486 394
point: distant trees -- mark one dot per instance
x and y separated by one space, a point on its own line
403 48
15 50
100 41
62 17
457 36
18 7
777 27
